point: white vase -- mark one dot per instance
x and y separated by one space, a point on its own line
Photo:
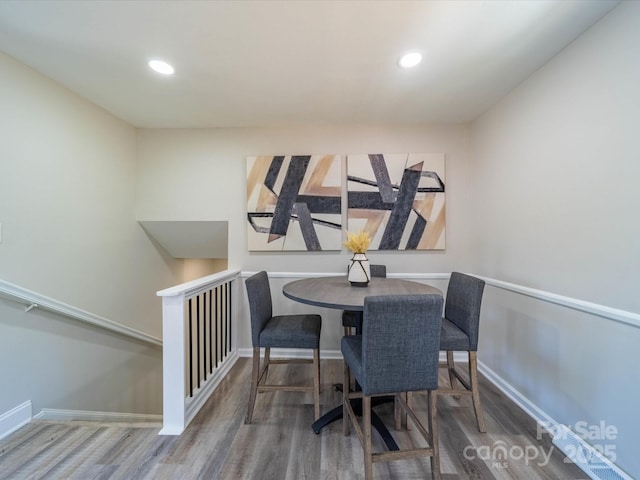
359 270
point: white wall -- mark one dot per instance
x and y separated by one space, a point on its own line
67 189
547 200
201 175
556 168
59 363
201 267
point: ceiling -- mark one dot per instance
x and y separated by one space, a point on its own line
278 63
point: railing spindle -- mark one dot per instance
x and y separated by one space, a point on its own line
204 334
198 341
224 320
217 339
190 371
230 315
210 332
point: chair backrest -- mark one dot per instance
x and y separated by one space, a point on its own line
464 299
260 307
378 271
401 343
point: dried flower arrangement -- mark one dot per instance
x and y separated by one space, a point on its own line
358 242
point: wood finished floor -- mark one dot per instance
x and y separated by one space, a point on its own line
280 443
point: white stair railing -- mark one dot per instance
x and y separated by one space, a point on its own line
199 345
31 300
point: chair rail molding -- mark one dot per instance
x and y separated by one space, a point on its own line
33 300
404 276
615 314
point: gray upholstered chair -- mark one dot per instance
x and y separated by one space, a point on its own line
460 327
396 353
281 331
352 320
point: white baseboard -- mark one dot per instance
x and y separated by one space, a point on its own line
327 354
584 455
589 459
294 353
91 416
15 418
515 396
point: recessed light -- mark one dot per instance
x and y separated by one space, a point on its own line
161 67
410 59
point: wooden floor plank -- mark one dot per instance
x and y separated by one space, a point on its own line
280 443
72 455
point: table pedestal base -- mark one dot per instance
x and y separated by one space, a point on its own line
356 404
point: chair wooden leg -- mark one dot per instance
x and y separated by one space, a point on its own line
451 366
433 434
366 418
475 391
316 382
345 398
254 384
397 411
267 361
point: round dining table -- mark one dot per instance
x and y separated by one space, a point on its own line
338 293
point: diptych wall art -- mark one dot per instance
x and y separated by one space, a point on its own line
398 199
294 202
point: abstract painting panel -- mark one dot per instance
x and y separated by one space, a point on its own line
399 199
294 203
